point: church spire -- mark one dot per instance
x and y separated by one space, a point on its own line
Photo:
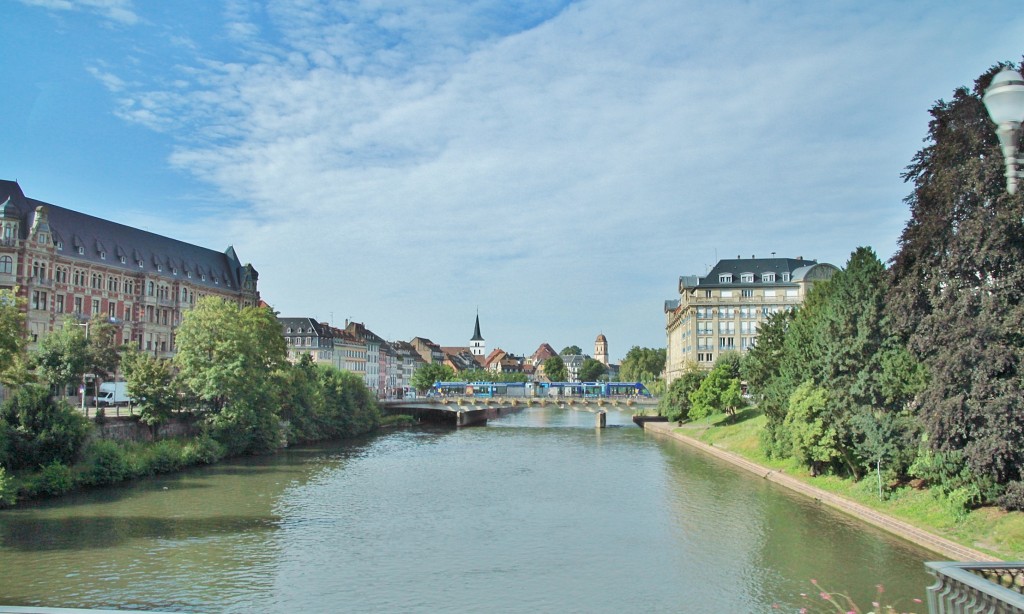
476 344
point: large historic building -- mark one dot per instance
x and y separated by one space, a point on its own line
69 264
722 311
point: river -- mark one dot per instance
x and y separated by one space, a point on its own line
536 512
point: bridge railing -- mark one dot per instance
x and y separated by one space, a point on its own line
966 588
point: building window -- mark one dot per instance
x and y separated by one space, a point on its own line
60 245
785 277
725 278
78 304
792 293
6 264
768 278
59 303
95 306
123 260
149 288
81 250
726 293
707 294
111 309
726 343
39 299
747 293
60 274
769 292
747 278
103 255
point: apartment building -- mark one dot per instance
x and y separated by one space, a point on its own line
722 310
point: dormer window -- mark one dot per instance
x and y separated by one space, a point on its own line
81 250
188 274
768 278
123 260
103 255
203 277
174 270
725 278
141 264
785 277
747 278
160 268
60 245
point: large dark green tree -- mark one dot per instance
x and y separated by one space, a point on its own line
591 370
958 289
555 369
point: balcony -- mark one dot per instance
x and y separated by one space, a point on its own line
993 587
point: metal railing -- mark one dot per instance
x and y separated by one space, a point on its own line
968 588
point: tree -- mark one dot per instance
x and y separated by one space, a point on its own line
12 338
425 377
719 391
571 350
555 370
642 365
227 357
591 370
103 351
958 289
814 435
150 381
675 405
63 355
44 430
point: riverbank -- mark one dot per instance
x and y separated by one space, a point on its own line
936 543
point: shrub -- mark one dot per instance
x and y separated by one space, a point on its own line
105 463
8 492
164 457
203 450
46 430
55 479
1013 498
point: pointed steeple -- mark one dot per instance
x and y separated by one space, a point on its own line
476 330
477 347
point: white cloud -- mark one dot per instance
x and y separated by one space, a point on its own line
120 11
408 163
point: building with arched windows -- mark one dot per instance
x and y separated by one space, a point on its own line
69 264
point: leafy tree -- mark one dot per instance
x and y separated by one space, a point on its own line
226 357
63 355
349 406
483 375
103 351
718 392
675 405
814 434
642 365
150 381
591 370
12 338
571 350
425 377
958 289
555 369
301 400
767 370
887 438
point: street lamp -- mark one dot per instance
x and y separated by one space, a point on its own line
1004 100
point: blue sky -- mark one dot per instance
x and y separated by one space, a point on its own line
556 165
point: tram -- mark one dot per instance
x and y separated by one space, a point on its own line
588 390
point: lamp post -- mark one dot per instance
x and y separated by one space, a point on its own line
1004 100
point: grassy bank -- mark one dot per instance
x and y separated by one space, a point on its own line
988 529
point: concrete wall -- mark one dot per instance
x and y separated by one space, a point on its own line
128 428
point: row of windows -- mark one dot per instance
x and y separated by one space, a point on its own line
723 343
748 278
82 278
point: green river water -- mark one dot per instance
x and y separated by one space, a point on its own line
536 512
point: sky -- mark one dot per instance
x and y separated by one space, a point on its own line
552 165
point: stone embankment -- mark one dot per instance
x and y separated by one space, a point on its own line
935 543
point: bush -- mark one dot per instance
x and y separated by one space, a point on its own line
203 450
45 430
164 457
54 479
105 463
1013 498
8 492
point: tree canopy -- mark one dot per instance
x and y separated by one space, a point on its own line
571 350
642 365
555 370
958 288
591 370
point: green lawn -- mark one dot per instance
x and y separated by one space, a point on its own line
988 529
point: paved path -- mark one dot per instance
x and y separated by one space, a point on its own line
940 545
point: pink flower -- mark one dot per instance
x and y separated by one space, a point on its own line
916 600
825 596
